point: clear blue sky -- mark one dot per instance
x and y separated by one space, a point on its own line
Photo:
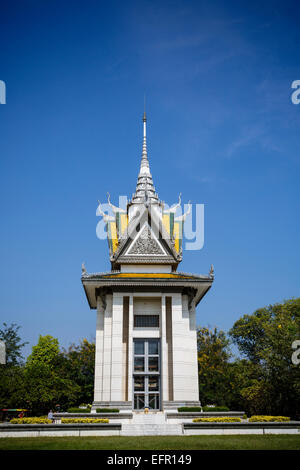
221 129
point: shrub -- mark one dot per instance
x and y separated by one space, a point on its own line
261 418
225 419
184 409
107 410
83 420
79 410
244 416
30 421
215 408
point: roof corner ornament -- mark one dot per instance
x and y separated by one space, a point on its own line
115 209
181 218
83 270
174 208
106 217
212 271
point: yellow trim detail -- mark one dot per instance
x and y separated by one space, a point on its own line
166 222
123 222
149 275
114 236
176 236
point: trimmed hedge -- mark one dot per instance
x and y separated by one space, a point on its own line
265 419
215 408
186 409
107 410
83 420
30 421
78 410
224 419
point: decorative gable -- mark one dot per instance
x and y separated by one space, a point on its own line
145 244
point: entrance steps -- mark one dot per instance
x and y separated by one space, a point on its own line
152 424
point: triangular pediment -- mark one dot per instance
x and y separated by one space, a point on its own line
145 241
145 244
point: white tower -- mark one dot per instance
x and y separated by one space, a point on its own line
146 345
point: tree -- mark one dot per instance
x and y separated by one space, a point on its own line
79 366
12 387
266 338
244 379
45 383
213 366
45 352
13 344
45 387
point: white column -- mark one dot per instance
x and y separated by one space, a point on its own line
130 348
193 335
185 373
117 348
106 383
99 351
164 353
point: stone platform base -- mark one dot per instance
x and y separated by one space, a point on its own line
59 430
215 429
127 405
152 424
174 405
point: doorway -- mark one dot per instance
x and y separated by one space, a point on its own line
146 374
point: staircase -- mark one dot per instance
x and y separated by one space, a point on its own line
151 424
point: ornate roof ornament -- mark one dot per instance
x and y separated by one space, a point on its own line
181 218
106 217
83 270
173 209
115 209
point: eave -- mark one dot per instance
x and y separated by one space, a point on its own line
94 283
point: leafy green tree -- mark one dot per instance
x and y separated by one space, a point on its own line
46 352
266 338
244 377
45 385
213 366
79 366
12 387
13 344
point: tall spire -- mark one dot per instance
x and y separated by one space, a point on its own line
145 191
144 169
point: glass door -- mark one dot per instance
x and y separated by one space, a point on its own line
146 374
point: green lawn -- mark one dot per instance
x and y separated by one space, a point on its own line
250 442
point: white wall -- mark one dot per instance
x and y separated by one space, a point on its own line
146 268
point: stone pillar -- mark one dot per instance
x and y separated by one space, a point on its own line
185 371
117 349
130 349
99 350
164 390
106 380
194 355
